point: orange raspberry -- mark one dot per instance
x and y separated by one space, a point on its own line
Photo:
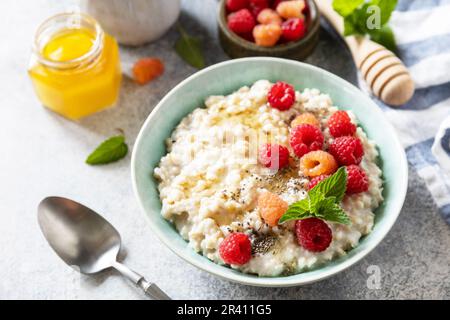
271 207
307 118
268 16
291 9
147 69
267 35
316 163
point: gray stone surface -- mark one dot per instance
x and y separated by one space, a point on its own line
43 154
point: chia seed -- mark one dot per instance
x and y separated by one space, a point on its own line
263 244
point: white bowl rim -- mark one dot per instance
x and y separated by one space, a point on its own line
281 281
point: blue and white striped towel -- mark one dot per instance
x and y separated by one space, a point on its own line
422 31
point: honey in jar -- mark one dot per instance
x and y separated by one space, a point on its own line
75 66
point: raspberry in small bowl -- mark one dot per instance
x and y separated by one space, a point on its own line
282 28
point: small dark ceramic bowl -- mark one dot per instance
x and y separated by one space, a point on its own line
237 47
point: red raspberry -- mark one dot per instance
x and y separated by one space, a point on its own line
356 180
235 5
313 234
281 96
305 138
256 6
340 124
293 29
236 249
273 156
241 21
347 150
316 180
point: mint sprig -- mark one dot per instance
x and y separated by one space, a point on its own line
110 150
346 7
333 186
322 201
357 14
190 49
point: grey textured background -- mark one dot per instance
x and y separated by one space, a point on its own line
43 154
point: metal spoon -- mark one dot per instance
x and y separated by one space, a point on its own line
83 238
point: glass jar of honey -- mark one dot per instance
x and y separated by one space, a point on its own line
75 66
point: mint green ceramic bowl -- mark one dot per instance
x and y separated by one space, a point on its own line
226 77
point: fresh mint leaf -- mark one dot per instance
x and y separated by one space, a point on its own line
294 215
374 15
322 201
335 213
189 49
325 209
315 199
346 7
360 15
333 186
302 205
323 206
385 37
360 18
349 26
296 211
108 151
386 8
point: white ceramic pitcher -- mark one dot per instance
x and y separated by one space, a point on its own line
134 22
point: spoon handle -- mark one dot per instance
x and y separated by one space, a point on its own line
150 289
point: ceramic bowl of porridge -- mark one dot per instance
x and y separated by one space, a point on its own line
269 172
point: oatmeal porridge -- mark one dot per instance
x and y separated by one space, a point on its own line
269 180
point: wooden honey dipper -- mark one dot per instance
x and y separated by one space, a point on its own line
385 74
